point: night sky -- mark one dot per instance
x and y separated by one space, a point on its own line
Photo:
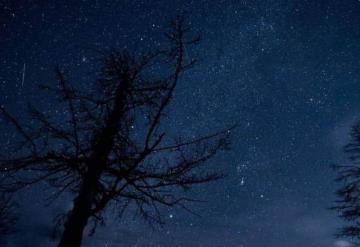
286 71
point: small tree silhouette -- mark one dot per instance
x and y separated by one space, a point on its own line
8 218
112 147
348 203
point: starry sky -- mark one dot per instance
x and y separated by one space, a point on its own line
285 71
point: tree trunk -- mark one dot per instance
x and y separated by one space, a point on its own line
80 214
74 227
102 145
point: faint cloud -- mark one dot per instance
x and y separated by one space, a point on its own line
342 243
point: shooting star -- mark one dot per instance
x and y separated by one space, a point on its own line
23 75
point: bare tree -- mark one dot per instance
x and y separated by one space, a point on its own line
112 148
348 202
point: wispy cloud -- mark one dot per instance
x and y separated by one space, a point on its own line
342 243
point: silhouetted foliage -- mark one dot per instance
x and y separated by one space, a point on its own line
348 202
112 148
8 218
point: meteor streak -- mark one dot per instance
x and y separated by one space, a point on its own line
23 75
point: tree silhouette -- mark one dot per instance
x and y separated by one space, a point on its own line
112 148
348 203
7 216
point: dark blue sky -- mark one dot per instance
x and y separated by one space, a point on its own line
286 71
